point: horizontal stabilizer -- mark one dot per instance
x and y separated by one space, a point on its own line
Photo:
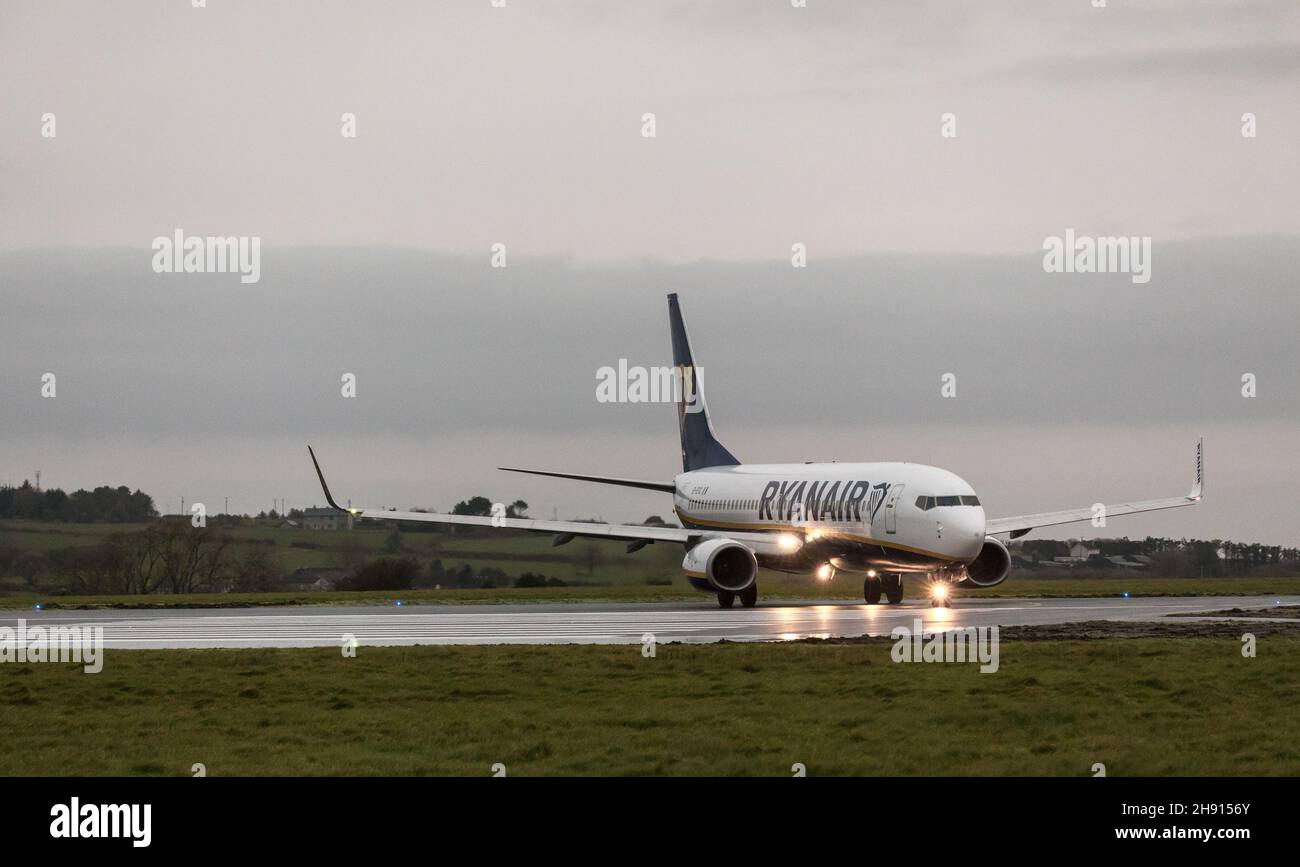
666 487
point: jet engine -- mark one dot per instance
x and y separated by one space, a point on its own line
729 566
991 566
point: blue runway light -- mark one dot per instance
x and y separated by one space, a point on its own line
398 603
38 606
1125 594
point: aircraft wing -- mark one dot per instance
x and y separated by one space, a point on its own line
760 542
1019 525
627 532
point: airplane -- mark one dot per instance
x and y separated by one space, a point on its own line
882 520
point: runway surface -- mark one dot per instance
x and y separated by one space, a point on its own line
620 623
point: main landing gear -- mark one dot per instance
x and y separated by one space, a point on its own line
748 597
890 584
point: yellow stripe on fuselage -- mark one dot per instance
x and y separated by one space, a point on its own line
827 531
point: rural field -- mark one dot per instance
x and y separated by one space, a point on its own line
1141 706
577 568
591 571
294 549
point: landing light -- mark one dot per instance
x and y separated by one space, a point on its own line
825 571
939 593
871 573
788 542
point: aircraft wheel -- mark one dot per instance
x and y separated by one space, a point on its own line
871 591
893 588
725 599
749 596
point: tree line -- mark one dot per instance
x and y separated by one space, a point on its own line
167 556
1210 558
104 504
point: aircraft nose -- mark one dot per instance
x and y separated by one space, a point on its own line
966 528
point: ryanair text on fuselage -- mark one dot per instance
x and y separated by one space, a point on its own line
831 500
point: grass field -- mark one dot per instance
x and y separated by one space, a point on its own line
652 574
1140 706
513 553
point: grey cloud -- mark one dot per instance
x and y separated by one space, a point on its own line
1279 63
444 342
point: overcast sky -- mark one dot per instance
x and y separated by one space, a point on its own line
775 125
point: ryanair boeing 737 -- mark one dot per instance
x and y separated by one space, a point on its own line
884 520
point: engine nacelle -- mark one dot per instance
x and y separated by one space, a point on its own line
990 568
728 566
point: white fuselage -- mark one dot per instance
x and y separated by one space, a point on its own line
899 516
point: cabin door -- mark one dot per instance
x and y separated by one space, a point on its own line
891 509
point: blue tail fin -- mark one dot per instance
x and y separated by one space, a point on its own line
700 448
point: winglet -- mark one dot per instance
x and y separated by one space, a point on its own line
1198 489
329 498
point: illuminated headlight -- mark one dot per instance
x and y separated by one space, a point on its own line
871 573
939 590
788 542
824 571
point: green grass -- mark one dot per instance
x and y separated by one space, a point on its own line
1141 585
624 577
45 536
512 552
1140 706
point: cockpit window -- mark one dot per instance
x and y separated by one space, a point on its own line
925 504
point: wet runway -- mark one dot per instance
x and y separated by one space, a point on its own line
619 623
